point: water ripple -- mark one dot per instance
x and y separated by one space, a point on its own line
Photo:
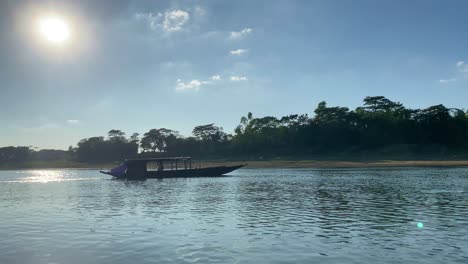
254 216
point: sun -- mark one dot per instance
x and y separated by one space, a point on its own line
54 29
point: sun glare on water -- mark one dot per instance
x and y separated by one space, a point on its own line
54 29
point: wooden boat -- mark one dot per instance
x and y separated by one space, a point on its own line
138 169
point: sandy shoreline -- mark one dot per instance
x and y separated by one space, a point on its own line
274 164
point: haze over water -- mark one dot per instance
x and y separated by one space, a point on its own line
253 216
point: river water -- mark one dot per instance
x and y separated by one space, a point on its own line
399 215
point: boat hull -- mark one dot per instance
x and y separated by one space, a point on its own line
201 172
189 173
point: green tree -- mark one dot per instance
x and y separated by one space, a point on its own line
135 138
209 132
155 139
116 135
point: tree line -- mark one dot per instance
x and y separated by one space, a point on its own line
379 124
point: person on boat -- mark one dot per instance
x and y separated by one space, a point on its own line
160 166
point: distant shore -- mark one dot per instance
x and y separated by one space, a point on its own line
263 164
353 164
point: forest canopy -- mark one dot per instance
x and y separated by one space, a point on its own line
379 124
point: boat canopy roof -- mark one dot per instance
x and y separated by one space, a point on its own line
158 159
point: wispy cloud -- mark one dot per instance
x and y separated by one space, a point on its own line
192 85
238 51
170 21
39 128
73 121
461 71
240 34
150 18
462 67
199 11
238 78
216 77
447 80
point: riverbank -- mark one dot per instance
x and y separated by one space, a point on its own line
349 164
277 163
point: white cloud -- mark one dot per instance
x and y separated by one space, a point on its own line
170 21
198 84
447 80
193 84
175 20
73 121
240 34
238 51
238 78
460 63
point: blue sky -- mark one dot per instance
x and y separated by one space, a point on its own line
137 65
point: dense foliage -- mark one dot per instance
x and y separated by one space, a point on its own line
380 124
99 149
16 155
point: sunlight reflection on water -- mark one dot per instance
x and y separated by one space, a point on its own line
253 216
45 176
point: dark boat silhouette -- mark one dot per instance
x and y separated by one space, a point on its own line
138 169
